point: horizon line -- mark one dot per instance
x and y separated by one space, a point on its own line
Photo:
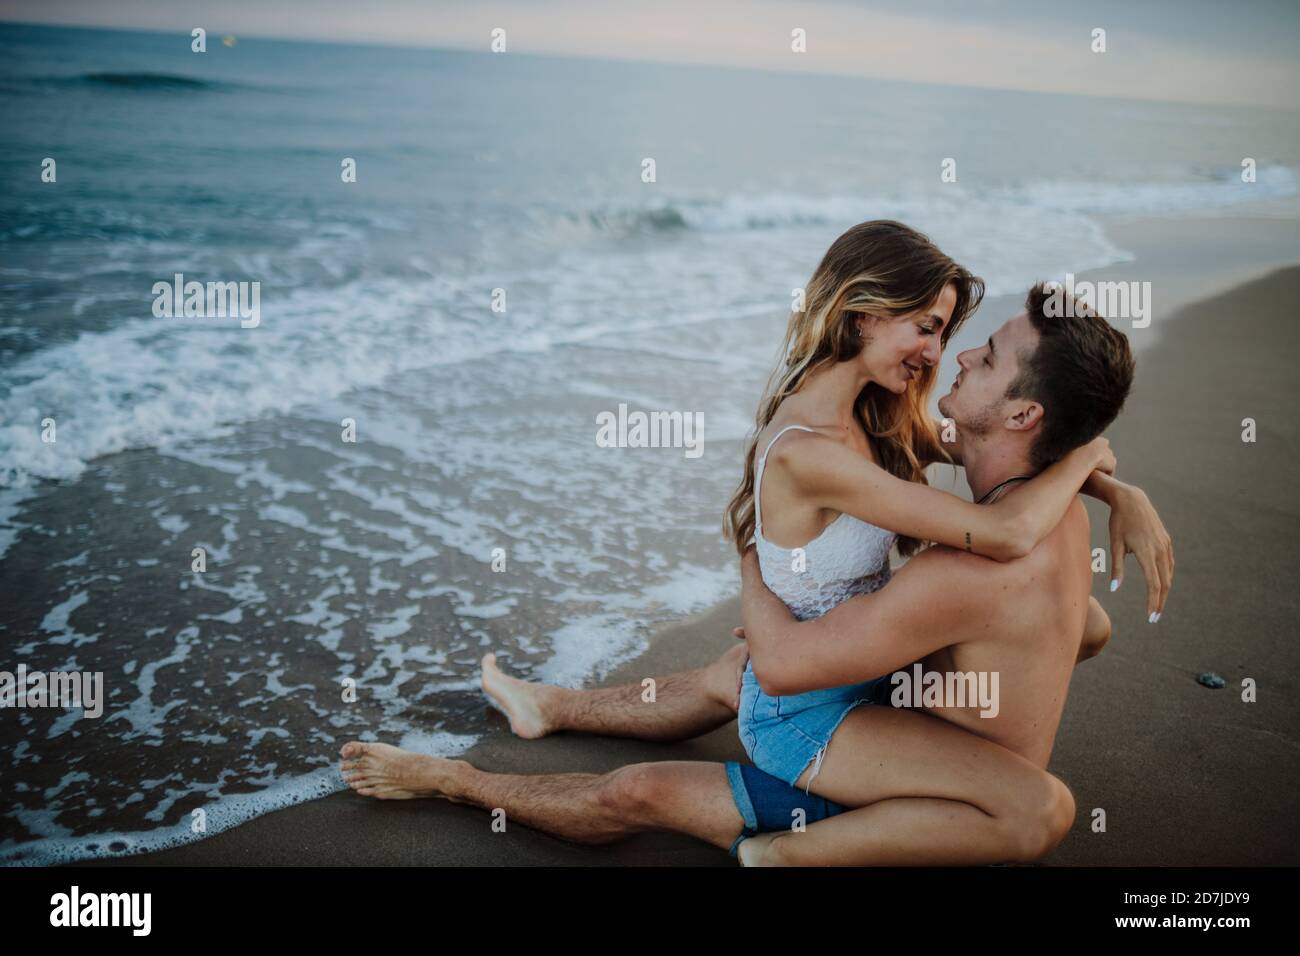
568 55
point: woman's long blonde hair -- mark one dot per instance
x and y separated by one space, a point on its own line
879 269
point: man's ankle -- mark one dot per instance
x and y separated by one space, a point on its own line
552 704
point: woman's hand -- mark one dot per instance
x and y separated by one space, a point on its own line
1105 458
1136 529
733 663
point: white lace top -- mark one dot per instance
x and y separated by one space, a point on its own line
849 557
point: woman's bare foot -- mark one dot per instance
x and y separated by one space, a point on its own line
390 773
521 701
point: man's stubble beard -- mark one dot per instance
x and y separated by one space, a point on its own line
979 425
983 425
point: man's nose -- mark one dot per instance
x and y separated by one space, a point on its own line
963 358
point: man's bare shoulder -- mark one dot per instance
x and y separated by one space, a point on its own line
1066 539
973 599
949 568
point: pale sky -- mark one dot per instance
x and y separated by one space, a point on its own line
1210 51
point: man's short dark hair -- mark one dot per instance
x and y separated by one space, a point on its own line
1080 373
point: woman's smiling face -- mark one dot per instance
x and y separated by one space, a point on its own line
898 351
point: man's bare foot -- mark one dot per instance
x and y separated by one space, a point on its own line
390 773
755 850
521 701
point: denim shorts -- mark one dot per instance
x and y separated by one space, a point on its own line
784 735
767 804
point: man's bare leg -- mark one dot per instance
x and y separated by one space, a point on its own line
686 796
686 704
693 798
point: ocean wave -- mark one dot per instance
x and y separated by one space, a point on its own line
149 381
1211 189
223 812
140 81
1204 189
120 82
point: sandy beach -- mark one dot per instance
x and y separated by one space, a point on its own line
1186 775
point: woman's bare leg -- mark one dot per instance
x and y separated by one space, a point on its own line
684 705
1096 632
908 831
929 792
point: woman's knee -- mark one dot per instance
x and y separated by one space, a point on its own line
1096 633
1042 821
1061 815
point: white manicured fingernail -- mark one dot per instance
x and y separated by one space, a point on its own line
1114 585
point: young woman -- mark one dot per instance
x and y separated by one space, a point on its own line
834 476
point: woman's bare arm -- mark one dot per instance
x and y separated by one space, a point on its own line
832 476
1135 528
928 605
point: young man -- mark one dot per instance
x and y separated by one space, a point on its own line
1038 388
